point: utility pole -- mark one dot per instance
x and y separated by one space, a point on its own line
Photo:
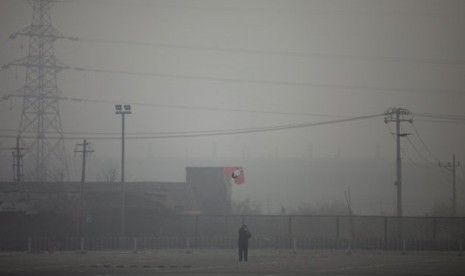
122 110
398 115
454 195
349 207
84 152
348 201
17 161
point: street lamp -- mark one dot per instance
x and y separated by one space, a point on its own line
122 110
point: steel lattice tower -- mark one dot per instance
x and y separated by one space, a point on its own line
40 130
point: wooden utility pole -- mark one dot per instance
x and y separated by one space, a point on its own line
123 110
454 195
84 152
398 115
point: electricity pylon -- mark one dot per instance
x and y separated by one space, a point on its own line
40 130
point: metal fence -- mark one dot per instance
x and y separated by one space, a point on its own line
268 232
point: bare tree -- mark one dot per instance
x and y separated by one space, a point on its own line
245 207
328 208
109 174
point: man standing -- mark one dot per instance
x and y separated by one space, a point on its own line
243 242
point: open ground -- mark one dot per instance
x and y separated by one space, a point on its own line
224 262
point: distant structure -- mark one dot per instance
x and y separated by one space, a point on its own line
40 131
206 191
212 193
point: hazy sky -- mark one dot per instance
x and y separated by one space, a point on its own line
212 65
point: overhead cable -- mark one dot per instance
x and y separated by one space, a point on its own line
205 133
423 143
397 59
358 88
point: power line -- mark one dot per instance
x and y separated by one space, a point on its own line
404 152
424 144
266 9
269 82
205 133
453 165
358 88
443 169
209 108
274 82
441 121
432 164
422 60
454 118
441 116
276 52
419 153
178 106
459 119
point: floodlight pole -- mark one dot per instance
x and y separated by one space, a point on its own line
123 188
122 111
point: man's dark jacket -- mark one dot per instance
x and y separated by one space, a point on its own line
244 236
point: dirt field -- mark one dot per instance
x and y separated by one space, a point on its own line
224 262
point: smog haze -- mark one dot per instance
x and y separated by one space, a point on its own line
280 88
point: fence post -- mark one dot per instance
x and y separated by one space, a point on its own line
337 228
460 247
188 246
385 233
289 229
134 250
29 245
81 245
349 247
196 231
434 228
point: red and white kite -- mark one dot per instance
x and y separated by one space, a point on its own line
235 175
